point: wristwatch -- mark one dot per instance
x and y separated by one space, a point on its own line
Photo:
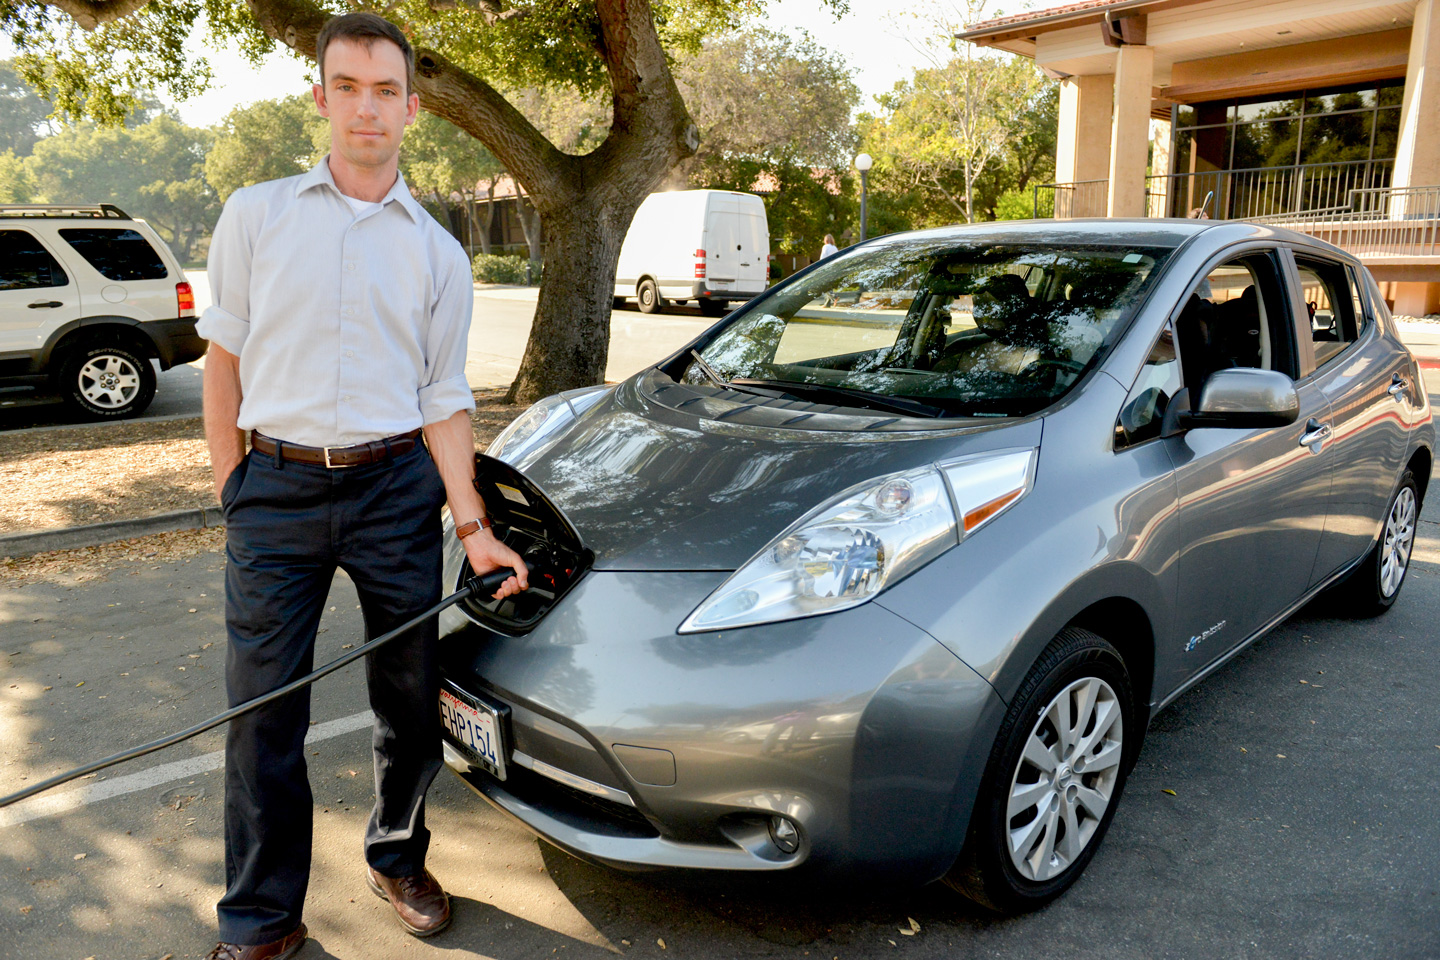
473 526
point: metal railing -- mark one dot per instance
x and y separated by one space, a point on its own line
1066 201
1264 191
1374 223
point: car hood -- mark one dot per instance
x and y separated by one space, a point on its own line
662 476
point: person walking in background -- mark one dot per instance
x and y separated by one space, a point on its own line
829 249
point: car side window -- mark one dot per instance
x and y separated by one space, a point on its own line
26 265
1144 410
1333 301
1236 316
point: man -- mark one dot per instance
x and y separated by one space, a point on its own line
338 337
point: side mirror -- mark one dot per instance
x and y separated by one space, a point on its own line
1239 397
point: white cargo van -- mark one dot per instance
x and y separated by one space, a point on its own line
710 246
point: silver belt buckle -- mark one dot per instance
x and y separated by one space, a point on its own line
328 464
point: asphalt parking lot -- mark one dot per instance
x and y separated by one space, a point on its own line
1301 825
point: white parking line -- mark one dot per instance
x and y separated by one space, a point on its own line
44 806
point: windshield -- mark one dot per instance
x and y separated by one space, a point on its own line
965 329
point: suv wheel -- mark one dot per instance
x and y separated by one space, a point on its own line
110 382
1054 778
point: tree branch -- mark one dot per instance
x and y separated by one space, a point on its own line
89 14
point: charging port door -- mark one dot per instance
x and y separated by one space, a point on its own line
528 522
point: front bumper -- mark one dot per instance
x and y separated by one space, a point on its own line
860 728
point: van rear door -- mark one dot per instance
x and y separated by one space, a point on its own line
738 244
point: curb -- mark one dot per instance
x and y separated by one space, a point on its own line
94 534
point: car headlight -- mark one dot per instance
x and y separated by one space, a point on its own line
544 420
847 550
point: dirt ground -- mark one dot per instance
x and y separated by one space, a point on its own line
116 471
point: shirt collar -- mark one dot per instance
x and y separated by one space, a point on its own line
320 175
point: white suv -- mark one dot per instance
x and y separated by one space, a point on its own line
88 298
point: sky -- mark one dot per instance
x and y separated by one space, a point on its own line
863 37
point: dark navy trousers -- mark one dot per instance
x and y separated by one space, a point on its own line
288 527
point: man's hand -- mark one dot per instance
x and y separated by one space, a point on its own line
452 444
486 554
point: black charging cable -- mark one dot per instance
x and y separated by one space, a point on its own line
474 587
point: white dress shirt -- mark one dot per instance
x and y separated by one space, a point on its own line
349 326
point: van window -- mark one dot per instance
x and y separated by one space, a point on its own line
26 265
118 254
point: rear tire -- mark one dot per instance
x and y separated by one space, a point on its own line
108 382
1374 586
648 295
713 308
1034 830
617 303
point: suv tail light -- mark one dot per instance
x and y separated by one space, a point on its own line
185 299
699 264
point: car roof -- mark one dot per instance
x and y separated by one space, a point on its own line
1160 232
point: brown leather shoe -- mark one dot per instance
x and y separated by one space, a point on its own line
422 907
280 949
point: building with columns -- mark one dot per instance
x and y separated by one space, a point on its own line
1320 115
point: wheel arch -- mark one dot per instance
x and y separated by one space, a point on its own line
96 331
1421 463
1126 626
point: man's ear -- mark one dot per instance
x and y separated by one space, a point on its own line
412 108
318 91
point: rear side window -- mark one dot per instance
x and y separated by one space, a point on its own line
25 264
1337 314
118 254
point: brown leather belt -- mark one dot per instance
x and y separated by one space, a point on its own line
358 455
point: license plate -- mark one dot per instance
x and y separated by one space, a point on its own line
475 728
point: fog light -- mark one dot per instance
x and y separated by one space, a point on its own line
784 835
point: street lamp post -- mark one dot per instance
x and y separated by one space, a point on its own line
863 164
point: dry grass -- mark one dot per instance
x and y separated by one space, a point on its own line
79 475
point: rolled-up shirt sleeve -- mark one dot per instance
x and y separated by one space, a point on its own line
227 320
444 391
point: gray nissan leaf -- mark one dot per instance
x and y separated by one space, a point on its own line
891 567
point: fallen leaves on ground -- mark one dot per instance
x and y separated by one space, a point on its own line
88 564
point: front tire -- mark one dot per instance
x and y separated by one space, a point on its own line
648 295
1054 778
109 382
1375 585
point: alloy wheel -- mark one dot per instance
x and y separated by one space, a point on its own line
1399 538
1065 779
108 381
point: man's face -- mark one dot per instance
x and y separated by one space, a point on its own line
365 98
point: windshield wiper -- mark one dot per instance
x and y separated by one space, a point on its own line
902 405
709 371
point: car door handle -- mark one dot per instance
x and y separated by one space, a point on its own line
1398 386
42 304
1315 435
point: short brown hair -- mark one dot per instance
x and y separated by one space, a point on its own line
365 29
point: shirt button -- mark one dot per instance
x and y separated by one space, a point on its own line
350 354
350 265
349 311
345 399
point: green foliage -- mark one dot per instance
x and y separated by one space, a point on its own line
951 140
775 112
16 183
22 113
267 140
1021 205
152 171
492 268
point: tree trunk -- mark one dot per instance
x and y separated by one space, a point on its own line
489 217
530 223
572 345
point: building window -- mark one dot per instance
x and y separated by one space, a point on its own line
1260 156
